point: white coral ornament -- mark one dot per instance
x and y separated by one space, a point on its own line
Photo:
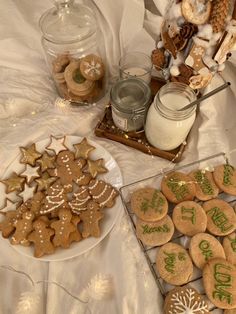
29 303
186 303
100 287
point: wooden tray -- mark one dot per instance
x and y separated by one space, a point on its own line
107 129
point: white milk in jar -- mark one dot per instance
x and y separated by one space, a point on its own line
166 127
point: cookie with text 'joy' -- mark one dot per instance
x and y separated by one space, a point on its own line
174 264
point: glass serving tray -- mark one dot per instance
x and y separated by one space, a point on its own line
151 252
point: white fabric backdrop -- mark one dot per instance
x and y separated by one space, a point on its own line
25 85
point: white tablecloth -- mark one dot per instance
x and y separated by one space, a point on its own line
26 86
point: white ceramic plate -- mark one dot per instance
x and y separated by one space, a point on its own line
113 176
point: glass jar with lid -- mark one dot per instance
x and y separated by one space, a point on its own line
166 125
130 99
74 51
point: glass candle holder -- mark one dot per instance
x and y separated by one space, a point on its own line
136 64
166 126
130 99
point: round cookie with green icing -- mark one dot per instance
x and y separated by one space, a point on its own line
178 187
221 218
149 204
155 233
219 280
185 300
206 188
229 245
189 218
232 311
174 264
225 178
203 247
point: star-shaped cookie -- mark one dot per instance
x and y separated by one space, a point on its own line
29 155
96 166
27 193
9 205
57 144
83 149
46 161
30 173
45 182
14 183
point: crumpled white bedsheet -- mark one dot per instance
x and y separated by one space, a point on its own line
28 114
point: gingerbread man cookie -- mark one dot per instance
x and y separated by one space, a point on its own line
68 171
63 228
90 219
7 225
75 236
23 228
41 237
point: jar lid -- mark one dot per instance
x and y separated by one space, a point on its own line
67 22
130 95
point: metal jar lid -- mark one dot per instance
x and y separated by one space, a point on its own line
130 95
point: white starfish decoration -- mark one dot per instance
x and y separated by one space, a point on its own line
93 68
187 303
56 144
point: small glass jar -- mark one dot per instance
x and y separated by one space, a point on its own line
74 51
166 126
130 99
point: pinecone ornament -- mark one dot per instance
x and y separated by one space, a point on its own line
219 13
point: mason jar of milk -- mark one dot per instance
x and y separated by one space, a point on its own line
166 125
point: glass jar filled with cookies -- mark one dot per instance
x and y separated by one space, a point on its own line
74 51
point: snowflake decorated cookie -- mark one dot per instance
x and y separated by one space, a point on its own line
92 67
185 300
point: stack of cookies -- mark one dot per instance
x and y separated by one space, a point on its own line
79 79
61 198
191 205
